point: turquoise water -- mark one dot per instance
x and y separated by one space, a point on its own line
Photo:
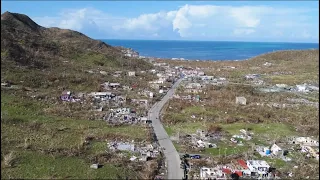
206 50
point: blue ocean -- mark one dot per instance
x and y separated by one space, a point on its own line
206 50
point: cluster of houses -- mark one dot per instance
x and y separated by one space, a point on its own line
129 52
165 77
199 140
257 169
309 146
124 116
303 88
189 97
111 101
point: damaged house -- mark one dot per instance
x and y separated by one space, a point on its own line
109 86
68 97
193 88
102 95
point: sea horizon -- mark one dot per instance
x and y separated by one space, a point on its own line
188 40
206 50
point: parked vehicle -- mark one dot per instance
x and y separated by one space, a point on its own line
195 157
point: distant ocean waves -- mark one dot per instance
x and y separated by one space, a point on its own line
205 50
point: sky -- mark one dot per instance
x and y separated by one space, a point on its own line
262 21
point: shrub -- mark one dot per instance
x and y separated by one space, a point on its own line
214 129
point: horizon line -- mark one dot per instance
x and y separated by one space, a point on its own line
208 40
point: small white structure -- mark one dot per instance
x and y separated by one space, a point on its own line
131 73
281 85
133 158
151 94
94 166
205 78
241 100
243 131
121 146
302 88
258 166
276 150
103 73
201 144
252 76
211 173
160 75
267 64
193 86
122 111
144 120
102 95
156 82
201 73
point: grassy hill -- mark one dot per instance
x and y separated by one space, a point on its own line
53 57
288 67
42 137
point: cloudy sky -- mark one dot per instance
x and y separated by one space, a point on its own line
286 21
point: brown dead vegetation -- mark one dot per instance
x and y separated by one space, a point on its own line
213 129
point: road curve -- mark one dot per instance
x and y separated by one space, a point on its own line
170 152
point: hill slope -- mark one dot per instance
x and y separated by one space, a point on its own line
43 137
27 47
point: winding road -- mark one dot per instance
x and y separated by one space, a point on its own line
170 152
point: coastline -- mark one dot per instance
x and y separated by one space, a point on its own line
205 50
133 53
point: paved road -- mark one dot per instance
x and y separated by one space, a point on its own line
170 152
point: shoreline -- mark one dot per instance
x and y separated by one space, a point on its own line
198 60
207 41
205 51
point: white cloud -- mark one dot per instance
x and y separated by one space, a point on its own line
85 19
194 21
149 22
243 31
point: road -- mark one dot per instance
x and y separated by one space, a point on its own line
170 152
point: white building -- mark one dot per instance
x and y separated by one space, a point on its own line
193 86
211 173
251 76
204 78
302 88
123 111
258 166
200 73
241 100
160 75
276 150
101 95
131 73
143 119
156 82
